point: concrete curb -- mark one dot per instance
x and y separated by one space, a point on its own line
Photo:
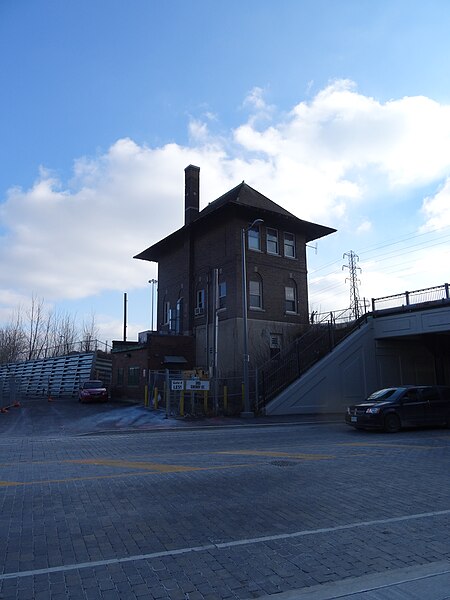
431 581
186 427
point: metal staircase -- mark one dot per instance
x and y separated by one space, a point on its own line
303 353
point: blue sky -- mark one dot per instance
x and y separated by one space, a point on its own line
339 110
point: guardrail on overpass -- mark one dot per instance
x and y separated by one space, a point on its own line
405 299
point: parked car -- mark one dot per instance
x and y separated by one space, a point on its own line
406 406
93 391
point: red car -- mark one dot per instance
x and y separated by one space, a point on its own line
93 391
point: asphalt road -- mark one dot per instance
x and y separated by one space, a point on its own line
111 501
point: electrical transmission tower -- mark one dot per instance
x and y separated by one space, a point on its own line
354 292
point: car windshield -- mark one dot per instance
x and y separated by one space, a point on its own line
382 394
92 385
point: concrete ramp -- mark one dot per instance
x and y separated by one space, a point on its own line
346 374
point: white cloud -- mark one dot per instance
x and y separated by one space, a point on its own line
335 144
198 131
255 99
436 209
364 227
327 159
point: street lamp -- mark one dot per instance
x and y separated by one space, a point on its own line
153 282
246 359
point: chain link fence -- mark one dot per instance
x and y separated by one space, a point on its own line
183 394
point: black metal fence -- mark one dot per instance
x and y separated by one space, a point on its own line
322 336
437 293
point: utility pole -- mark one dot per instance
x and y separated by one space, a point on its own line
125 317
354 292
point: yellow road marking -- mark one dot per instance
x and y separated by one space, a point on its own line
155 467
116 475
383 445
277 454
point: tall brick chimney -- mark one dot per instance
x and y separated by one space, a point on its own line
191 193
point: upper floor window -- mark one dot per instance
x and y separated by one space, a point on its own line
254 238
289 245
222 294
272 241
290 298
255 293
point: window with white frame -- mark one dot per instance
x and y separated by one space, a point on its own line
289 245
290 298
254 238
255 293
272 241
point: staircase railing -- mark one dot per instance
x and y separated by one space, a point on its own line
323 335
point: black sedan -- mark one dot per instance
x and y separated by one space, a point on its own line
392 408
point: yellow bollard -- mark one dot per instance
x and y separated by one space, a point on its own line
146 396
155 397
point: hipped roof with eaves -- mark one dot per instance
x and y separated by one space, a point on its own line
247 202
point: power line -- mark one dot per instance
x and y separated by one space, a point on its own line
389 243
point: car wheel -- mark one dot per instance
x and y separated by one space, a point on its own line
392 423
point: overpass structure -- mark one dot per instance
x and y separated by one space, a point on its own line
405 339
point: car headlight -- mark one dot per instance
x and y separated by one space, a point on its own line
373 410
